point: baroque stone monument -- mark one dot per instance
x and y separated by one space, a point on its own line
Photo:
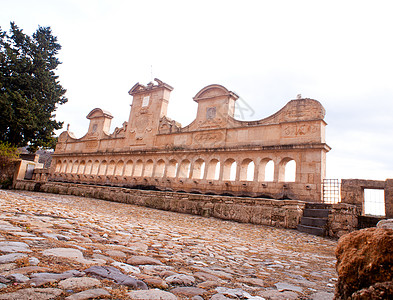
215 154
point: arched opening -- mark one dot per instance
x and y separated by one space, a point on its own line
111 168
75 166
94 169
89 164
128 168
102 169
213 170
172 168
266 170
287 170
247 168
69 166
64 167
138 168
269 171
199 169
160 168
81 168
58 166
119 168
184 169
290 171
250 171
229 170
148 172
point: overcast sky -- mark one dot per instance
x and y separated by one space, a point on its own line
337 52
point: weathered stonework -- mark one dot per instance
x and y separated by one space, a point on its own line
352 192
150 150
343 218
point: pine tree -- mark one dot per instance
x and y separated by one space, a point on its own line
29 88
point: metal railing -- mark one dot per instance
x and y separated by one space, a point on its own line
331 191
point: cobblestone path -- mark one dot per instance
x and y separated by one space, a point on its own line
57 246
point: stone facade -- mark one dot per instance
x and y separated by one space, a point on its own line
215 154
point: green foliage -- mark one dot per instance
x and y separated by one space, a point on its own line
29 88
8 155
7 151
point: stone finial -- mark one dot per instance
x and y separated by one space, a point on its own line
68 127
299 96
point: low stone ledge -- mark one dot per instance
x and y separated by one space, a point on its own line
278 213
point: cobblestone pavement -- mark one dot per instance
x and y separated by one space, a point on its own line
57 246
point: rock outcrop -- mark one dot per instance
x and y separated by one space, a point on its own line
365 264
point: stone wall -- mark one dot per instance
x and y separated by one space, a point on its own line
8 171
343 218
278 213
352 192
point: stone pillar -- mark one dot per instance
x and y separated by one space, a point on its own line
389 199
191 175
352 193
238 170
276 170
256 170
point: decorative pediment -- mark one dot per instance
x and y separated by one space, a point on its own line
97 113
212 91
140 88
168 126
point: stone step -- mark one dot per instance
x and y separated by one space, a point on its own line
315 222
314 205
311 230
316 213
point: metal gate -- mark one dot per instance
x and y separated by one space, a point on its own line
331 191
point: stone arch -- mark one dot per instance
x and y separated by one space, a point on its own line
69 167
64 167
229 170
287 170
148 170
184 169
58 166
160 168
102 168
213 169
266 170
198 169
128 168
94 168
75 166
88 167
81 168
111 168
138 168
119 168
172 168
247 168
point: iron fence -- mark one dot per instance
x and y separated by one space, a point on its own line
331 191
